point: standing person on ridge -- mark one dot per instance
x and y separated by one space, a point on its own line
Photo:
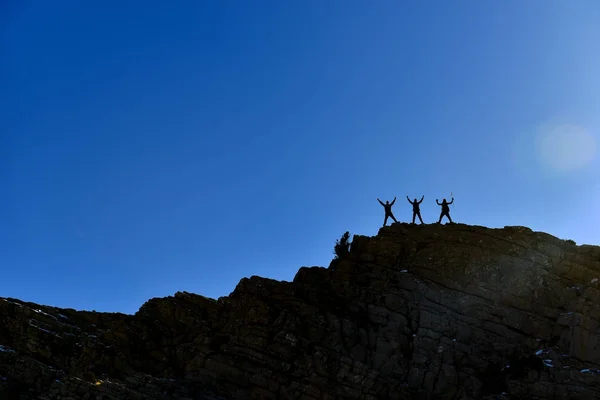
416 209
445 209
388 210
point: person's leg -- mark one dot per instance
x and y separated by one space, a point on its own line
450 219
394 218
420 219
385 219
414 215
447 215
441 216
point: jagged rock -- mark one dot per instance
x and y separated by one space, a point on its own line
415 312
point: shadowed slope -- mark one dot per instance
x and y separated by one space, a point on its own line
431 311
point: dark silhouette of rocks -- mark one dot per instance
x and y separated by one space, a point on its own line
415 312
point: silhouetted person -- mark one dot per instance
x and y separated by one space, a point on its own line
445 209
416 208
388 210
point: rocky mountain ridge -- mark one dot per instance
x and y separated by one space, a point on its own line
415 312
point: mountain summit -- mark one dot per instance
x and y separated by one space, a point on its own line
415 312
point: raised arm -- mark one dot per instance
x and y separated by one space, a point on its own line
452 201
409 200
393 201
380 202
438 203
420 201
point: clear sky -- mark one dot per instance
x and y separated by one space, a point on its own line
148 147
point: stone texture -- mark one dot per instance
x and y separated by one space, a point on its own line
415 312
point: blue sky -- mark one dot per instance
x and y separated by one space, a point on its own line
150 147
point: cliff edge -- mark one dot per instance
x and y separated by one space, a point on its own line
415 312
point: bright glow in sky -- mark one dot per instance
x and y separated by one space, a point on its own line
565 148
150 147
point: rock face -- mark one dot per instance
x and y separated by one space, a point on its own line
416 312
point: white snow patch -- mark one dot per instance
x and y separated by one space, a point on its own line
12 302
6 349
548 362
46 314
44 330
594 280
404 270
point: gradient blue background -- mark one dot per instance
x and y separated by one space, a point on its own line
148 147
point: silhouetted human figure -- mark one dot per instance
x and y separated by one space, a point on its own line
388 210
416 208
445 209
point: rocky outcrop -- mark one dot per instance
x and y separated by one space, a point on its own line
416 312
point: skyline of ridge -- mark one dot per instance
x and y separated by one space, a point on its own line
147 148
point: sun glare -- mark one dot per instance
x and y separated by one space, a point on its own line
565 148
